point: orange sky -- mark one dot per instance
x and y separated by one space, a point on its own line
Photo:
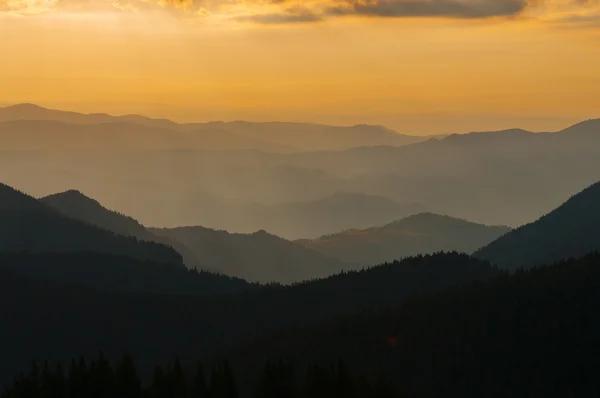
419 66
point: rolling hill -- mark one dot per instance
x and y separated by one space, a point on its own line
422 233
257 257
571 230
27 225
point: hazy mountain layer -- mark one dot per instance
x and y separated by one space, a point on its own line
257 257
422 233
28 127
496 178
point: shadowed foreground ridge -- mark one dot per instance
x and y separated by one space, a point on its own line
31 226
153 327
534 333
434 344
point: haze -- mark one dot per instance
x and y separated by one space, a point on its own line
419 67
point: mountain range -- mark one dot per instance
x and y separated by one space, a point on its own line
506 177
266 258
421 317
28 126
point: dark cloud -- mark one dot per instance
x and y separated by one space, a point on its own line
281 18
591 20
431 8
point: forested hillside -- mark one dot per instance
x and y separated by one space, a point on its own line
571 230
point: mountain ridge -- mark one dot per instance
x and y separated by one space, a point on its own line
570 230
29 225
421 233
76 205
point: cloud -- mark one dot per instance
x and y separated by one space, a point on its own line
305 11
286 17
431 8
32 7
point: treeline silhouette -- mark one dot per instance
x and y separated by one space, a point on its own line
78 320
535 333
532 333
99 378
114 273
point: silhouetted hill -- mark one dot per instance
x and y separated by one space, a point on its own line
77 321
29 225
259 256
112 273
338 212
572 230
76 205
422 233
531 334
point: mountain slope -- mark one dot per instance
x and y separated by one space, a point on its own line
257 257
153 328
31 226
115 273
76 205
422 233
531 334
571 230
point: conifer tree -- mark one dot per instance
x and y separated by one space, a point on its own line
199 387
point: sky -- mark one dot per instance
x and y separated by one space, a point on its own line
417 66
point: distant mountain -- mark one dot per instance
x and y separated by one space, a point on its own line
28 126
590 128
419 234
316 137
338 212
256 257
27 135
28 225
571 230
76 205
